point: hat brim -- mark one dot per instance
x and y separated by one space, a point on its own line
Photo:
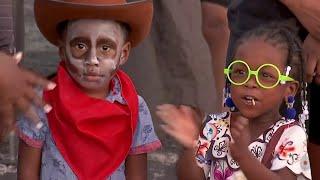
49 13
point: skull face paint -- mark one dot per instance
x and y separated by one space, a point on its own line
93 49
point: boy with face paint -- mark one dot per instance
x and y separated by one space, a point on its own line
98 128
92 55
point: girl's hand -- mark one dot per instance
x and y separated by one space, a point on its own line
182 123
240 136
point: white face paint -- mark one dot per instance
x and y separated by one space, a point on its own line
93 49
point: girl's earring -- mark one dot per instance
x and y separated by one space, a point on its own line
290 112
304 116
228 100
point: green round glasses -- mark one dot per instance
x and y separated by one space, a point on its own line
267 75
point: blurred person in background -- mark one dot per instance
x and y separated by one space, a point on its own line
216 33
16 83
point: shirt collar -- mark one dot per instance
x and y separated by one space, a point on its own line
115 92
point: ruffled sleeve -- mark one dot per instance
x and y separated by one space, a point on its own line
291 152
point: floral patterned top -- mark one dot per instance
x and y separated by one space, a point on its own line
214 156
54 167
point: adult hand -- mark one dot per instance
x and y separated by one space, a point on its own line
307 12
182 123
311 55
240 136
17 93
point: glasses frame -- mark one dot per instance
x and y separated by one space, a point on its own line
282 79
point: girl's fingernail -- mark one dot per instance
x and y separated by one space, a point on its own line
51 86
47 108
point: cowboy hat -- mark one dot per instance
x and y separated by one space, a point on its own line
50 13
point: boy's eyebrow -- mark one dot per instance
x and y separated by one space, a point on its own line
107 40
83 39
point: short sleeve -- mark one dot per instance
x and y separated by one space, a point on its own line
145 139
291 152
29 133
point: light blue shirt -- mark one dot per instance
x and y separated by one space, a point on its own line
53 165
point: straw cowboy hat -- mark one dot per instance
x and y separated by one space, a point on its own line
138 15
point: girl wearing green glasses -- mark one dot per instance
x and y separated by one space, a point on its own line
262 136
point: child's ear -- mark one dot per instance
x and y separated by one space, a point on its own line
62 53
292 89
62 50
125 53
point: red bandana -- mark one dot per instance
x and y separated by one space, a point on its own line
94 136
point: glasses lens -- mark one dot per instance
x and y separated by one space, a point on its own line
239 72
268 76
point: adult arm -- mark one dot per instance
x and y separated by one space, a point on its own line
216 33
308 13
